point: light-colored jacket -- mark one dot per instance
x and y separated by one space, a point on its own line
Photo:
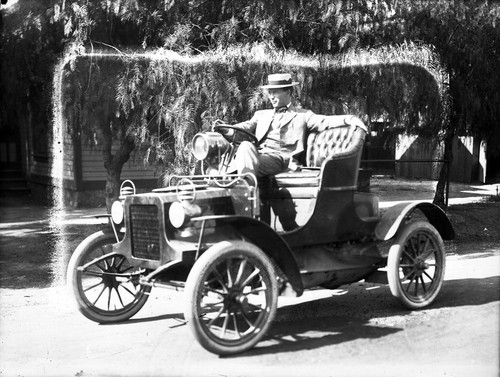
294 126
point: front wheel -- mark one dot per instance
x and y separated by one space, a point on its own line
231 297
108 289
416 264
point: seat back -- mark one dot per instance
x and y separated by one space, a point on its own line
337 142
337 151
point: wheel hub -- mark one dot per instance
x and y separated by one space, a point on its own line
421 265
234 299
108 280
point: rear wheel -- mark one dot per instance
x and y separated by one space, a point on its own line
231 297
107 290
416 264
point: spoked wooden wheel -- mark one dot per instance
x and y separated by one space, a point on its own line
231 297
107 290
416 264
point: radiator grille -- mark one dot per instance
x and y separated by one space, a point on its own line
145 231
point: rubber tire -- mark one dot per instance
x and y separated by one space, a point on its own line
404 235
194 288
79 258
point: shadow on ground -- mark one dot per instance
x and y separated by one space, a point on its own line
362 314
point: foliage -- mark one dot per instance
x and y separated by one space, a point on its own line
464 36
163 99
467 36
28 53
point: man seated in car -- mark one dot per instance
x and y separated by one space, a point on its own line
281 132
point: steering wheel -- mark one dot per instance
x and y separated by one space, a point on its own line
238 136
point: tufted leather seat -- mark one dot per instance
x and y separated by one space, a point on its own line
333 142
345 142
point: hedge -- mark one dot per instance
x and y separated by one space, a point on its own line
164 98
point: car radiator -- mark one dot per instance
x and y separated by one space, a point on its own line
145 231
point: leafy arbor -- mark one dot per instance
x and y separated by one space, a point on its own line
162 100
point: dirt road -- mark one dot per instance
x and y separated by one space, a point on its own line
359 330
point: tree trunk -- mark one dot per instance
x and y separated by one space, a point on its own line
114 164
112 185
440 198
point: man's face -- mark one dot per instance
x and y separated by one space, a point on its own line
279 97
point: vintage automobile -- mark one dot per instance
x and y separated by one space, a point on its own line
234 248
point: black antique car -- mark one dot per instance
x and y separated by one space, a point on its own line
234 248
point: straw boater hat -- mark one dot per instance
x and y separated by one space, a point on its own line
279 80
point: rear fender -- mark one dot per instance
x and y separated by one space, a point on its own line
271 243
396 215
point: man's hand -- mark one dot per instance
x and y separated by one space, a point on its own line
355 121
218 126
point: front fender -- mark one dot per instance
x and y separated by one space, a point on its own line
394 217
271 243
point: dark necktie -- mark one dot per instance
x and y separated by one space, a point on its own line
278 115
